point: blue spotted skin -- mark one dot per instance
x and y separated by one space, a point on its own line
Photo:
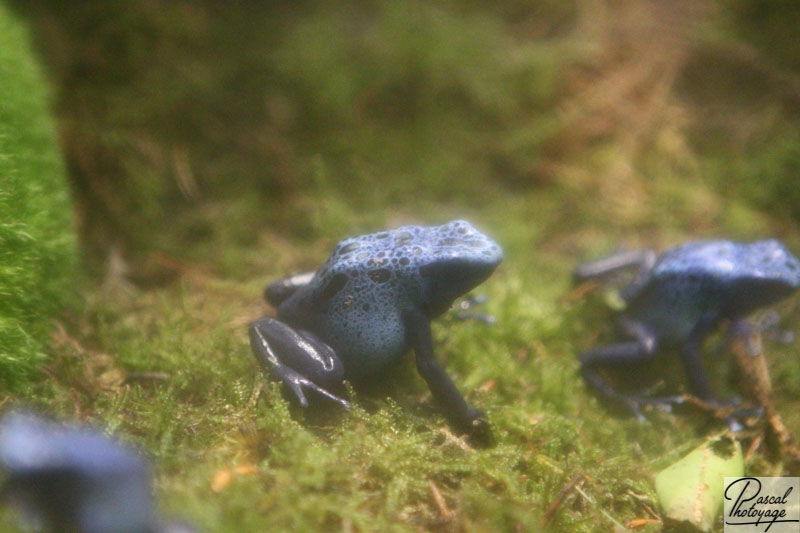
723 277
76 479
356 299
370 302
681 298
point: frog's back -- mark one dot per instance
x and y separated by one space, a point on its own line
728 262
358 296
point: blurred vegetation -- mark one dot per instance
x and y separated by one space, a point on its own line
37 243
213 147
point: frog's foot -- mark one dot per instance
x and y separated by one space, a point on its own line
296 357
478 430
465 309
733 412
664 403
750 333
297 383
735 416
734 420
730 410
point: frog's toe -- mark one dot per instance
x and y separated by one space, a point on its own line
297 389
734 420
663 403
734 425
733 401
466 309
477 317
474 415
479 430
297 383
341 401
635 406
637 412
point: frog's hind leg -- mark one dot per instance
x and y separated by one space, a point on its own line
642 260
296 357
277 292
623 354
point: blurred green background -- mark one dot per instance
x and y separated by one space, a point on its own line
177 116
211 147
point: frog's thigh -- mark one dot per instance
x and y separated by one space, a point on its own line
277 345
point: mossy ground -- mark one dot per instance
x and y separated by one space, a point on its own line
336 123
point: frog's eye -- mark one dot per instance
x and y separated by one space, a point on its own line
334 285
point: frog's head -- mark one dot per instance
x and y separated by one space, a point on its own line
765 273
459 258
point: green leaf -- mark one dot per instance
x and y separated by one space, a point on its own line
690 490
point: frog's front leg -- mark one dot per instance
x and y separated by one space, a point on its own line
692 363
296 357
463 417
698 380
277 292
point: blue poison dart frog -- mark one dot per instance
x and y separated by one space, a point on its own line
679 298
373 300
75 479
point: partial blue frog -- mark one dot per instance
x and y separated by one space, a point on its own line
679 298
76 479
369 303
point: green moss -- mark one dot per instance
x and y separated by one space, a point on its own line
302 126
36 239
